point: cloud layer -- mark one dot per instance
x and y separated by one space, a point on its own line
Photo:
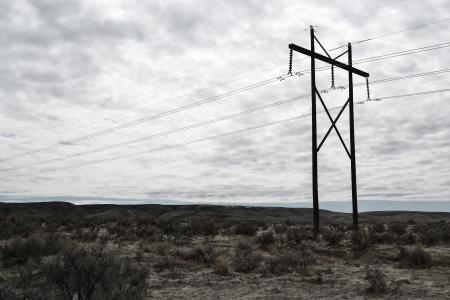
72 68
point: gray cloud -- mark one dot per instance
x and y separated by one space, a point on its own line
70 68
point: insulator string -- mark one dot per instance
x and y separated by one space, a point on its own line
332 77
291 53
368 89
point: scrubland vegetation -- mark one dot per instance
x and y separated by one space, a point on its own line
141 258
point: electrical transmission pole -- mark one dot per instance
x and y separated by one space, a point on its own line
315 93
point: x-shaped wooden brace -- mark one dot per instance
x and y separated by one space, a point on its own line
333 124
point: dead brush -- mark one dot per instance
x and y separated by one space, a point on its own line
333 237
414 257
265 239
289 261
431 237
295 235
245 259
361 239
376 280
18 251
169 262
397 228
159 248
221 265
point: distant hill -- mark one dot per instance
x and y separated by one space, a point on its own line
337 206
189 212
374 205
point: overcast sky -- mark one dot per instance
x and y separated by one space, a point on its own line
73 68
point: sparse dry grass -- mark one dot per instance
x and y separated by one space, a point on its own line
139 258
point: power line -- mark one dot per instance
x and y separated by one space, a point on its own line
373 58
180 144
274 40
232 132
222 83
216 98
111 118
409 95
389 55
236 79
145 138
145 119
196 125
393 33
410 76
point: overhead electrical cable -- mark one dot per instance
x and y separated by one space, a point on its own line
194 141
232 80
258 45
215 98
142 120
392 33
204 123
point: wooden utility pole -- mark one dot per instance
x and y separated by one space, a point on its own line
315 92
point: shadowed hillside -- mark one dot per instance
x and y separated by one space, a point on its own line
188 212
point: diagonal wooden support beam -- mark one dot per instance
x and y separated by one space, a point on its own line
334 122
345 52
328 60
323 48
333 125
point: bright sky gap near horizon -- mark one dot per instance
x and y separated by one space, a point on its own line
71 69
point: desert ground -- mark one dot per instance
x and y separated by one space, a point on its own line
66 251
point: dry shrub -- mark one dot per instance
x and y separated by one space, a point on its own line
169 262
445 233
93 273
149 232
296 235
18 226
397 228
378 228
414 257
205 228
318 278
246 228
407 239
245 259
289 261
361 239
202 254
8 292
208 253
284 262
189 254
333 237
265 239
381 238
280 228
20 250
85 234
139 255
221 265
431 237
376 280
160 248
